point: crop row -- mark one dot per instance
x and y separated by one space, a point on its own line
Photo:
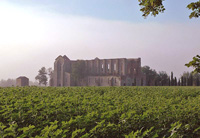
100 112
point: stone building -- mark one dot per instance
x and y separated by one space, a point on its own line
99 72
22 81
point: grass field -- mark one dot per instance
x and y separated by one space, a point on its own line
100 112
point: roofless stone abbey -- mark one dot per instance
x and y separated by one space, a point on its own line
99 72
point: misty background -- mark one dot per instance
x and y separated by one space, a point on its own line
33 34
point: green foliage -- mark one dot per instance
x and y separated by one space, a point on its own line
195 7
195 63
154 7
27 131
139 134
150 74
155 79
42 76
99 112
162 79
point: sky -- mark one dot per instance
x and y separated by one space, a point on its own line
33 33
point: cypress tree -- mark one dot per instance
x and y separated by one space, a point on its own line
182 81
169 82
175 82
185 81
172 79
179 82
191 80
197 81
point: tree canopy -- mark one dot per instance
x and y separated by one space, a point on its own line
154 7
42 76
195 63
150 74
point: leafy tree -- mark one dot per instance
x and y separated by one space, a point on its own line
42 76
195 7
196 77
186 76
50 72
195 63
190 79
150 75
163 78
154 7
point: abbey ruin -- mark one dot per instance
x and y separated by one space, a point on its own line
98 72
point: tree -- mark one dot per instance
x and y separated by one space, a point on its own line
150 75
196 77
195 63
195 7
175 81
182 81
190 79
172 79
179 82
42 76
151 6
154 7
163 78
50 72
186 76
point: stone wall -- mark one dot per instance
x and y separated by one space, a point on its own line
100 72
104 81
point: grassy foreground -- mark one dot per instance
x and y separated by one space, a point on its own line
100 112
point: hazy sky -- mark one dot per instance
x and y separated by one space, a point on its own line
33 34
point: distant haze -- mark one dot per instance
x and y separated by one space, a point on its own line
33 35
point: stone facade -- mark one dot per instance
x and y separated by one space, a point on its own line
22 81
99 72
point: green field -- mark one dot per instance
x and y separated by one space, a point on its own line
104 112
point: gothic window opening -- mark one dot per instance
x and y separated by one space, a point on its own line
102 67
